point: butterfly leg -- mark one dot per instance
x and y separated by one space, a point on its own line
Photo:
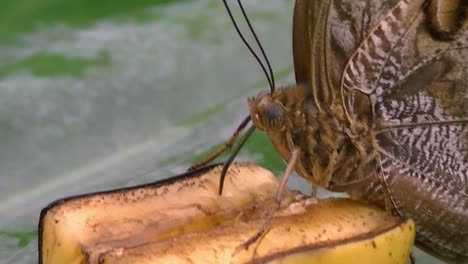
412 259
279 196
223 148
313 193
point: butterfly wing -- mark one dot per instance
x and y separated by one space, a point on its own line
418 86
387 53
325 35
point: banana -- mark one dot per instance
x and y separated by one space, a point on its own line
184 220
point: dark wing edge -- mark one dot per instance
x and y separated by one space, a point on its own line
301 43
449 205
311 38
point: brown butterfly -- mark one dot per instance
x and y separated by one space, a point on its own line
380 110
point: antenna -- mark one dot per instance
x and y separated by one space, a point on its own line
259 44
269 78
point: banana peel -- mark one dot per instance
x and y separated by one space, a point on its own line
184 220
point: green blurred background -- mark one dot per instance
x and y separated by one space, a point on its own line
102 94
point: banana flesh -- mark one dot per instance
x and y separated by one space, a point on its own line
184 220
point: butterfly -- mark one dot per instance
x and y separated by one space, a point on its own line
380 110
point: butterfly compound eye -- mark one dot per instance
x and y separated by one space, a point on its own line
273 115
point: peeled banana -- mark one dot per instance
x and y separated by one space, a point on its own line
184 220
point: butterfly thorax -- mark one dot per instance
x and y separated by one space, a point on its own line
333 151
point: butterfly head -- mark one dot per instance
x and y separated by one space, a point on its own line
266 112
